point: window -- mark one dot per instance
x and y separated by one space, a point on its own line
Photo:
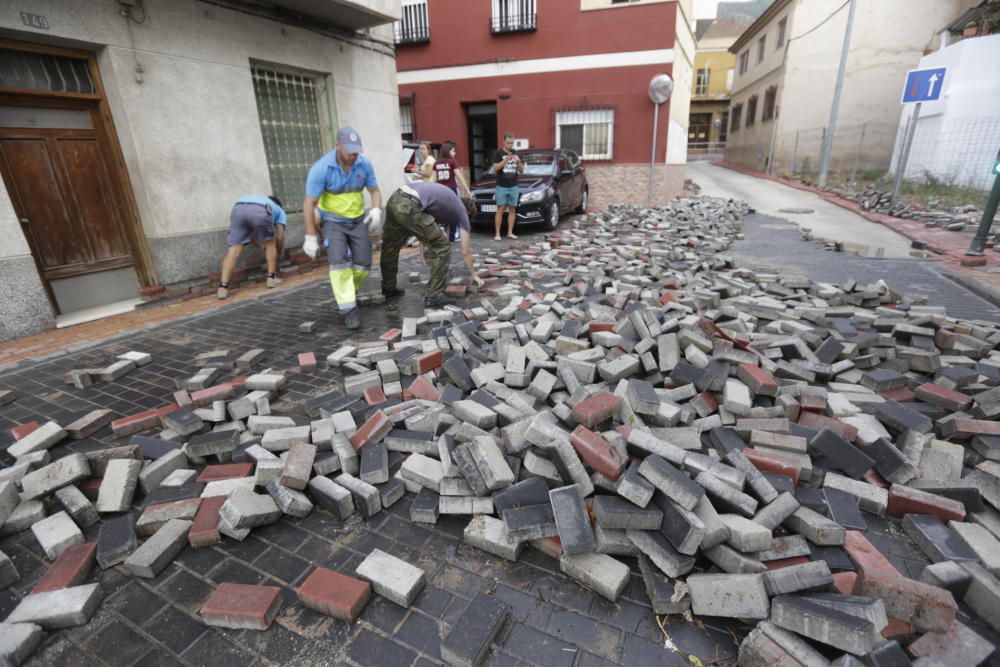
513 16
744 62
770 97
289 108
413 27
737 116
701 83
588 133
724 126
782 27
406 120
751 110
761 47
41 71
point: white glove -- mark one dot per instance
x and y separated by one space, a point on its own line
374 221
310 246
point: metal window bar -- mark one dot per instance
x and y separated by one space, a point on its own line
588 132
42 71
701 85
289 105
406 118
514 16
414 26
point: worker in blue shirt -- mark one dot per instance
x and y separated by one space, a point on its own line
252 217
335 187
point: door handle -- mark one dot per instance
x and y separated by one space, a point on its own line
24 221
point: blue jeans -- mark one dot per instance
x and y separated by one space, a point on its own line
507 196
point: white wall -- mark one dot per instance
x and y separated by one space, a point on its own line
958 136
189 130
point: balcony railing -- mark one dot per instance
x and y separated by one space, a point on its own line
513 16
413 27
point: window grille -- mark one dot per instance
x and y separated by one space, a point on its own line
289 108
406 119
770 98
589 133
736 118
414 26
42 71
751 110
513 16
782 27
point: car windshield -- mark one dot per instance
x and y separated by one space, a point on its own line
538 164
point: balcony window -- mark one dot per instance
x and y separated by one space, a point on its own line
751 111
736 117
413 27
514 16
770 100
701 82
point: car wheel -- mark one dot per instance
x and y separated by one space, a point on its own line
552 219
582 208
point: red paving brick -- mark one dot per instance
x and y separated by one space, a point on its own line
204 530
241 606
335 594
21 430
865 556
904 500
71 568
598 453
596 409
430 361
214 473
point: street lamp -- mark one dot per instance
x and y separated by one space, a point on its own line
660 88
978 245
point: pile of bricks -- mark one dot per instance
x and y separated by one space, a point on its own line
627 400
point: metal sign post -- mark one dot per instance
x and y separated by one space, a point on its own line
978 245
660 88
922 85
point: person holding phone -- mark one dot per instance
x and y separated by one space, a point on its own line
507 165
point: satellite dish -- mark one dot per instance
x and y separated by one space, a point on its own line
660 87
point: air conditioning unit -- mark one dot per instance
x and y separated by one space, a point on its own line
521 144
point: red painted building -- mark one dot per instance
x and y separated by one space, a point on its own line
566 73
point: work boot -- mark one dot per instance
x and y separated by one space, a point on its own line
392 292
273 281
439 301
352 320
223 293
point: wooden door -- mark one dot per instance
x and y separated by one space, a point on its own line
57 173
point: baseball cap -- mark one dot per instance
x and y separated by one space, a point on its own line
349 139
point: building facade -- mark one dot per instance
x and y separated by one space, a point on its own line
128 129
786 70
556 73
714 65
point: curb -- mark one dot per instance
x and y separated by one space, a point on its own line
982 290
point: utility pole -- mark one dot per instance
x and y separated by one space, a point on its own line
978 245
824 166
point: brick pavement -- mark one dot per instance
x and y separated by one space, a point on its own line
153 621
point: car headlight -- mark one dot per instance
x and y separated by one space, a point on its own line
537 195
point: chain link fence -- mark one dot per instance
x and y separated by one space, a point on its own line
955 153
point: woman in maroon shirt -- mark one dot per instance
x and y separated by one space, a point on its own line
447 174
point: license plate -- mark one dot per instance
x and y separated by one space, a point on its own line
488 208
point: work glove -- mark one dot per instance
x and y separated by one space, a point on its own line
310 246
373 221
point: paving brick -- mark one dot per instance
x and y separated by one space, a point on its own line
490 535
159 550
89 424
905 500
118 486
815 527
392 578
598 453
655 546
982 596
595 409
155 516
367 499
115 541
56 533
332 497
373 430
63 608
17 642
468 641
618 513
731 595
796 578
957 647
335 594
842 631
71 568
920 604
598 572
242 606
936 540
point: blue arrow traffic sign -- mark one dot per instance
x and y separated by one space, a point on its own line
924 85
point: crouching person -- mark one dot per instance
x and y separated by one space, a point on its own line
417 210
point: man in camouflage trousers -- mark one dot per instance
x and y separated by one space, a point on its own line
417 210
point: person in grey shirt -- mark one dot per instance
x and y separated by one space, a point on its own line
417 210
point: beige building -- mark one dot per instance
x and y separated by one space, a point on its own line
786 70
714 68
128 129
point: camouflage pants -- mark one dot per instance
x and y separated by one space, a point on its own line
404 219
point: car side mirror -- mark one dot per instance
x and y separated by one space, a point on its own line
566 172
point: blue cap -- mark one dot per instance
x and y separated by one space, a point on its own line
349 138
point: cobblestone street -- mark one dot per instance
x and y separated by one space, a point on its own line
554 620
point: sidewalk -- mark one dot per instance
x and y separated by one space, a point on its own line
947 248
